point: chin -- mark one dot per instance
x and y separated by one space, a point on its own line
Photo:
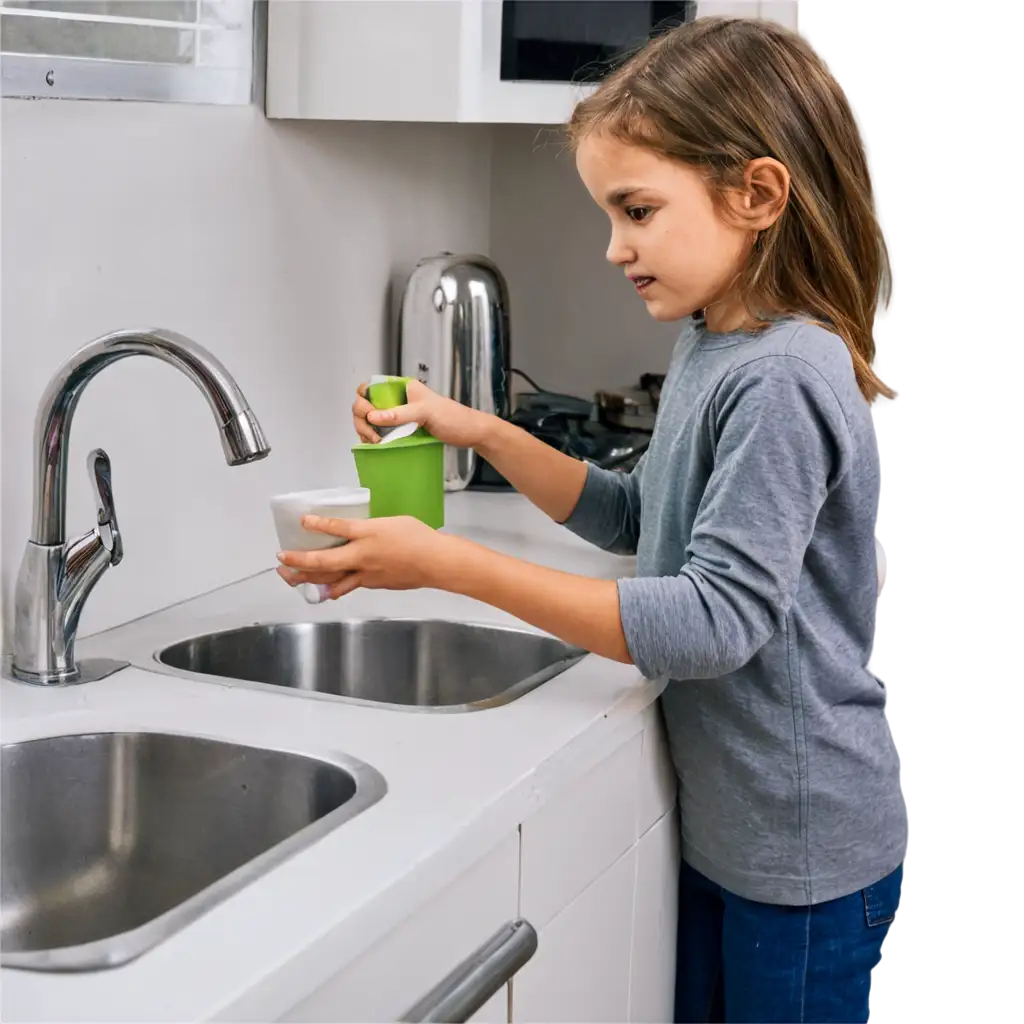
667 312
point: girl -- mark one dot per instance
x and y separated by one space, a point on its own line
733 174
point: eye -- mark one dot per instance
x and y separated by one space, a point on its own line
639 214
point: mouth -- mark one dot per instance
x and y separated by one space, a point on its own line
641 282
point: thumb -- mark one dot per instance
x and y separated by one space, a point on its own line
349 529
417 391
395 417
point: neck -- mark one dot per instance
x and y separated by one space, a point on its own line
727 314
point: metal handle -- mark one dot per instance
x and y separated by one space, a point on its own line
478 977
106 514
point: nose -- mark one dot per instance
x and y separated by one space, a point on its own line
619 252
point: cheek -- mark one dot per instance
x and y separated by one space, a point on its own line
707 251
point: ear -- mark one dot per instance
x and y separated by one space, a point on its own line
763 196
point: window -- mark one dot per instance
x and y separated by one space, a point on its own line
181 51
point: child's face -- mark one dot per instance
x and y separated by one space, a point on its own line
673 241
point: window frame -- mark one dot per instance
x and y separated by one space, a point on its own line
39 76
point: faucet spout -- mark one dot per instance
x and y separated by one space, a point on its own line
56 575
241 435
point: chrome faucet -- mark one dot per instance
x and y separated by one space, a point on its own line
56 575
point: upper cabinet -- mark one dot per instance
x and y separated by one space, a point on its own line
481 61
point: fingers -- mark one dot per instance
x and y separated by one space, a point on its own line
349 529
337 584
334 561
296 577
394 417
360 408
353 581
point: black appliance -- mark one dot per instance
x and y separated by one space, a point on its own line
579 40
590 431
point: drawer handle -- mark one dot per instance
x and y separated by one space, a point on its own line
467 988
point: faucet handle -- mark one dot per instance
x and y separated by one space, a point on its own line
106 515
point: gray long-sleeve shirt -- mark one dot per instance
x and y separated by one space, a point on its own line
752 516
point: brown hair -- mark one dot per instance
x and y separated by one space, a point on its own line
719 92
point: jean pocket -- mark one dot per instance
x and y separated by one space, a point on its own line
882 900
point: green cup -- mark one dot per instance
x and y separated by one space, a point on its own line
405 477
387 393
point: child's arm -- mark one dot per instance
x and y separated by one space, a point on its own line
604 508
600 506
577 609
781 443
552 480
402 553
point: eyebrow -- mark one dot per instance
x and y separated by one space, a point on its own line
620 196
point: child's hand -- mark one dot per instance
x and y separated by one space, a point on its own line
449 421
399 553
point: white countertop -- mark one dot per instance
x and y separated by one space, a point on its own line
457 785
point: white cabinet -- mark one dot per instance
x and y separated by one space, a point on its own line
655 911
579 834
594 870
610 955
417 60
581 970
600 866
405 965
657 783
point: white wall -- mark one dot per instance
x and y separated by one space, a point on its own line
910 12
576 322
271 244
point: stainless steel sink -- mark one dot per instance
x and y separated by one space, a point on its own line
111 842
400 663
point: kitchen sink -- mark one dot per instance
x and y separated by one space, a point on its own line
111 842
430 665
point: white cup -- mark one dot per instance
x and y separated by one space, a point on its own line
336 503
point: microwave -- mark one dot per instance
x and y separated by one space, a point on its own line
579 41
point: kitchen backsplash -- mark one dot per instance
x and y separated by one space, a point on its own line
577 325
271 244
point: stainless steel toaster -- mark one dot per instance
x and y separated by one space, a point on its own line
454 337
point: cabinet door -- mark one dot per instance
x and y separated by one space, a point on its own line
657 787
728 8
655 909
574 838
364 60
404 966
580 971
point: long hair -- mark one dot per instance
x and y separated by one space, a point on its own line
719 92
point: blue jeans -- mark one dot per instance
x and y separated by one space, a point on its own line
754 962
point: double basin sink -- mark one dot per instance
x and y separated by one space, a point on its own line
113 841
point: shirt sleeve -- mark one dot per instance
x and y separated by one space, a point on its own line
780 443
608 511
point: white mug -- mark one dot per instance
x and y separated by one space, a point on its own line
335 503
